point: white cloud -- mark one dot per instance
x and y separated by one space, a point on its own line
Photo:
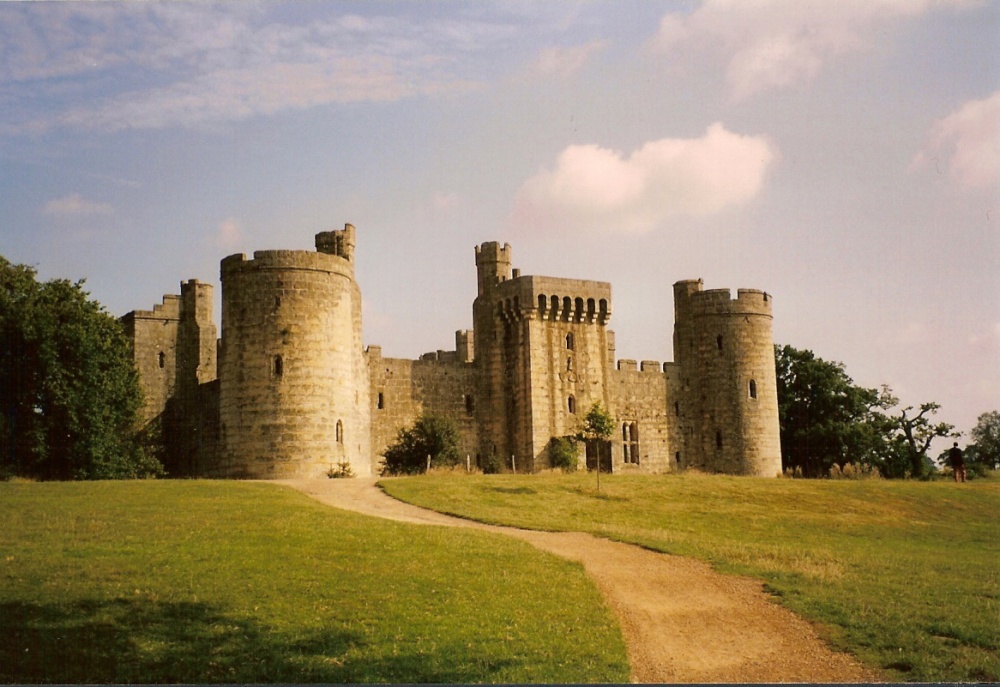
112 66
75 205
593 187
967 144
771 44
562 62
229 234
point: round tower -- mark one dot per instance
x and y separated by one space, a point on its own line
293 383
725 349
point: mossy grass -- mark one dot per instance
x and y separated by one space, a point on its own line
903 574
197 581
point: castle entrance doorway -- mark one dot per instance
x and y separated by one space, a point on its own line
598 450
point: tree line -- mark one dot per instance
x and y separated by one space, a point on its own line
70 402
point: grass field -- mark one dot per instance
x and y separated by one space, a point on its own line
905 575
242 582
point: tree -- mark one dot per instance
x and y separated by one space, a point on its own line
984 451
595 431
432 436
70 388
824 418
911 437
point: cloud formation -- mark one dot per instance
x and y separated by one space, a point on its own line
229 234
593 187
111 66
967 143
771 44
563 62
75 205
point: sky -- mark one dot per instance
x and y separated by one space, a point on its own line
842 155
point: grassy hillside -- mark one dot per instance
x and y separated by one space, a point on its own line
239 582
906 575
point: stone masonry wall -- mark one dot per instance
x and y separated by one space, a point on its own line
403 390
644 396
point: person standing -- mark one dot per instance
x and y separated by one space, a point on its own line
957 462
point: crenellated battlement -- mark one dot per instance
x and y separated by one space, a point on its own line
168 309
691 300
557 300
294 260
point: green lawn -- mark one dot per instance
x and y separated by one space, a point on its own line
198 581
905 575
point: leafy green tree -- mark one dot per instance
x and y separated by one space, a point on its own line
984 451
432 436
824 418
71 392
564 453
595 431
827 420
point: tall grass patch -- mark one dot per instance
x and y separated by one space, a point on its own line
902 574
247 582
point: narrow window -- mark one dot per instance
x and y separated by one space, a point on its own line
162 358
279 366
753 389
633 436
470 404
340 432
571 404
625 446
677 408
718 341
381 400
277 302
569 341
677 459
569 364
718 438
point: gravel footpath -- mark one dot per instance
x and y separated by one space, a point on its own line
682 621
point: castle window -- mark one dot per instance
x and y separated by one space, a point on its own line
677 408
470 404
569 341
718 341
381 400
542 302
279 366
753 389
677 459
277 302
718 438
569 364
340 432
625 446
571 404
162 357
630 433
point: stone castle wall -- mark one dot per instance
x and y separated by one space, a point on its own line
437 384
297 393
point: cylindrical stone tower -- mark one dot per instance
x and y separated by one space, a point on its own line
293 396
729 390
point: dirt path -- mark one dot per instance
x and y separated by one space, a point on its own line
682 621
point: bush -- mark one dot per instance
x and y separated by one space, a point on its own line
490 464
431 436
343 470
564 453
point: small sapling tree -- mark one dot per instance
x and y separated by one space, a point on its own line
596 429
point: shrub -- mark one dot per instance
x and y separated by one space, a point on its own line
430 436
564 453
342 470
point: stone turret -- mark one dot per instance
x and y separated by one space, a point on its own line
293 398
728 399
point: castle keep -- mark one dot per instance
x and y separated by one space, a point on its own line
289 390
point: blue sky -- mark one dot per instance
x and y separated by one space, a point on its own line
842 155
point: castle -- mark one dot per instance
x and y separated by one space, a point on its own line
289 390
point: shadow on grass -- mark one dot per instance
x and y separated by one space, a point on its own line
512 490
125 640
